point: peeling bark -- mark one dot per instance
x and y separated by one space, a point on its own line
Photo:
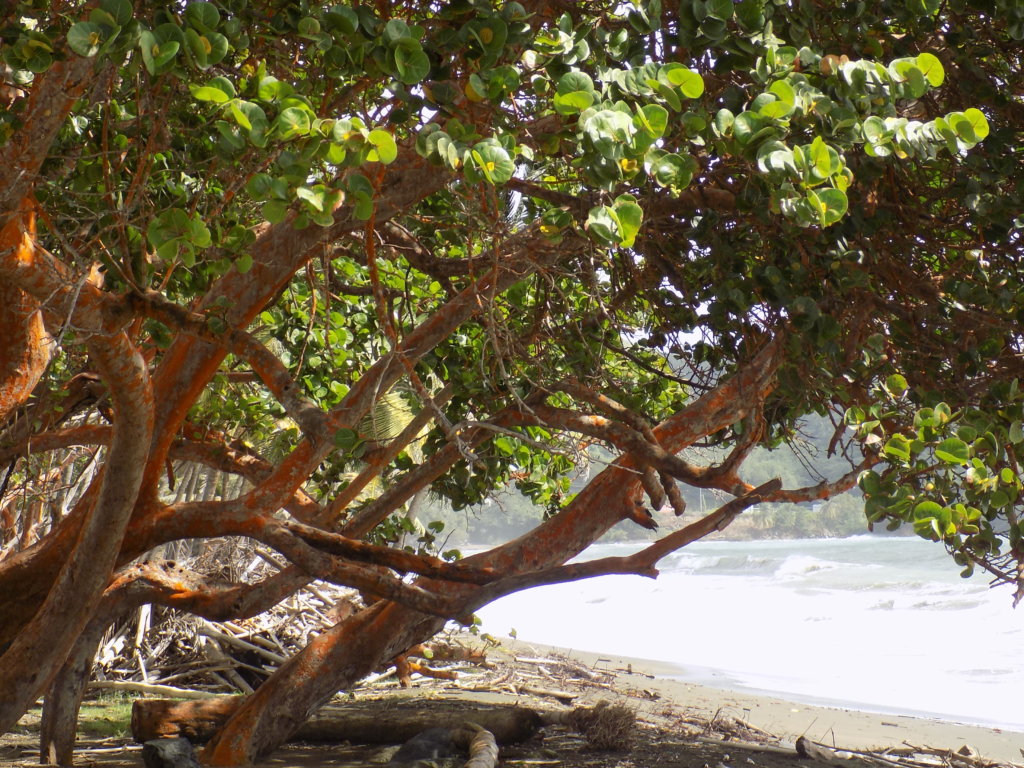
24 343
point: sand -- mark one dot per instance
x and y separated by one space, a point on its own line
681 724
849 729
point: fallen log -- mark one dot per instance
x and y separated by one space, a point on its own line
379 721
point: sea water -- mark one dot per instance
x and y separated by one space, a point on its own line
876 623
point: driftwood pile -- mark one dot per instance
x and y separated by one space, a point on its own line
163 652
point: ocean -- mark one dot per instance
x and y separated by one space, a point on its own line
875 623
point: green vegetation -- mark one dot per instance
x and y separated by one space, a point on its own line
276 272
106 717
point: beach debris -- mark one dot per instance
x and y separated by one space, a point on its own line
605 726
808 750
483 748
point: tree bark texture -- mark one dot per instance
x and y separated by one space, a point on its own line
41 648
24 343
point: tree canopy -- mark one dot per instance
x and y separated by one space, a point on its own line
336 255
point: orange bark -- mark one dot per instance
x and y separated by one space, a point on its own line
24 343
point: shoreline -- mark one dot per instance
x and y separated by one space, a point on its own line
842 726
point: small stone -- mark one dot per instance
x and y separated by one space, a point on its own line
431 744
169 753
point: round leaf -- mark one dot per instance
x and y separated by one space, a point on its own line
493 162
953 450
385 150
412 64
292 122
85 38
931 67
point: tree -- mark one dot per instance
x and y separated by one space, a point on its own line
230 228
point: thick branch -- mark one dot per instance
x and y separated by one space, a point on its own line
45 642
272 372
399 560
516 258
278 253
53 95
641 563
377 582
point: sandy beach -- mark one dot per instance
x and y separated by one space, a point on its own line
680 724
848 729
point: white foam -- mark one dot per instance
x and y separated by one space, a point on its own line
884 624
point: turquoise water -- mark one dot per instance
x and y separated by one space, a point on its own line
881 624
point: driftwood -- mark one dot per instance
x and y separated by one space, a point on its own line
156 690
368 722
483 748
808 750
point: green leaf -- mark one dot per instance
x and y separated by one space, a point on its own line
775 110
311 196
363 206
120 10
603 225
202 15
292 122
978 121
493 162
346 439
874 129
385 150
896 384
783 91
272 89
175 232
219 91
724 122
572 102
412 63
653 119
927 509
252 118
689 83
746 125
572 82
274 211
931 67
308 26
870 482
898 447
952 450
719 9
149 48
824 159
85 38
668 170
630 216
243 263
830 205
